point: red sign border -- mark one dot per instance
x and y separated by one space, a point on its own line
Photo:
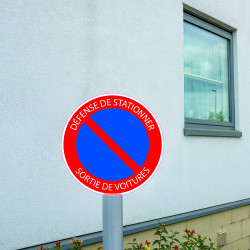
72 140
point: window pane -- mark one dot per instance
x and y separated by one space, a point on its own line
206 74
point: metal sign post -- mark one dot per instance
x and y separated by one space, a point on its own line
112 222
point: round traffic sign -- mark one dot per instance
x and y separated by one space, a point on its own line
112 144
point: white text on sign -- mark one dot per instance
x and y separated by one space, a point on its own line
113 186
112 103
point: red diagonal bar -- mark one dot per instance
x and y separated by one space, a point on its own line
112 145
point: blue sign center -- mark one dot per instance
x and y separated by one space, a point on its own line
126 130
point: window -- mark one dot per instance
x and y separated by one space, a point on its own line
208 79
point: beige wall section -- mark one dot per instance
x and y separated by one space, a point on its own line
236 223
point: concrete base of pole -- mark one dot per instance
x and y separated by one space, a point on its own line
112 223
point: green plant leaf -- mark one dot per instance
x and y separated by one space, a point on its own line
164 238
157 233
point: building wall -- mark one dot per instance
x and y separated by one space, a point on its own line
235 222
57 54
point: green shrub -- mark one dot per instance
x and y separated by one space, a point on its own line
168 240
165 240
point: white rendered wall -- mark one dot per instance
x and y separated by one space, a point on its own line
55 55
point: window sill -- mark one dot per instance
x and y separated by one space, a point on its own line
211 132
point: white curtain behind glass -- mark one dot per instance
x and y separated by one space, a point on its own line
206 74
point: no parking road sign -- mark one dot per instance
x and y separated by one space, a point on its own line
112 144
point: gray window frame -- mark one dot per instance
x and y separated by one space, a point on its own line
200 127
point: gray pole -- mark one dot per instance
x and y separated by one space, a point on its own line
215 103
112 222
